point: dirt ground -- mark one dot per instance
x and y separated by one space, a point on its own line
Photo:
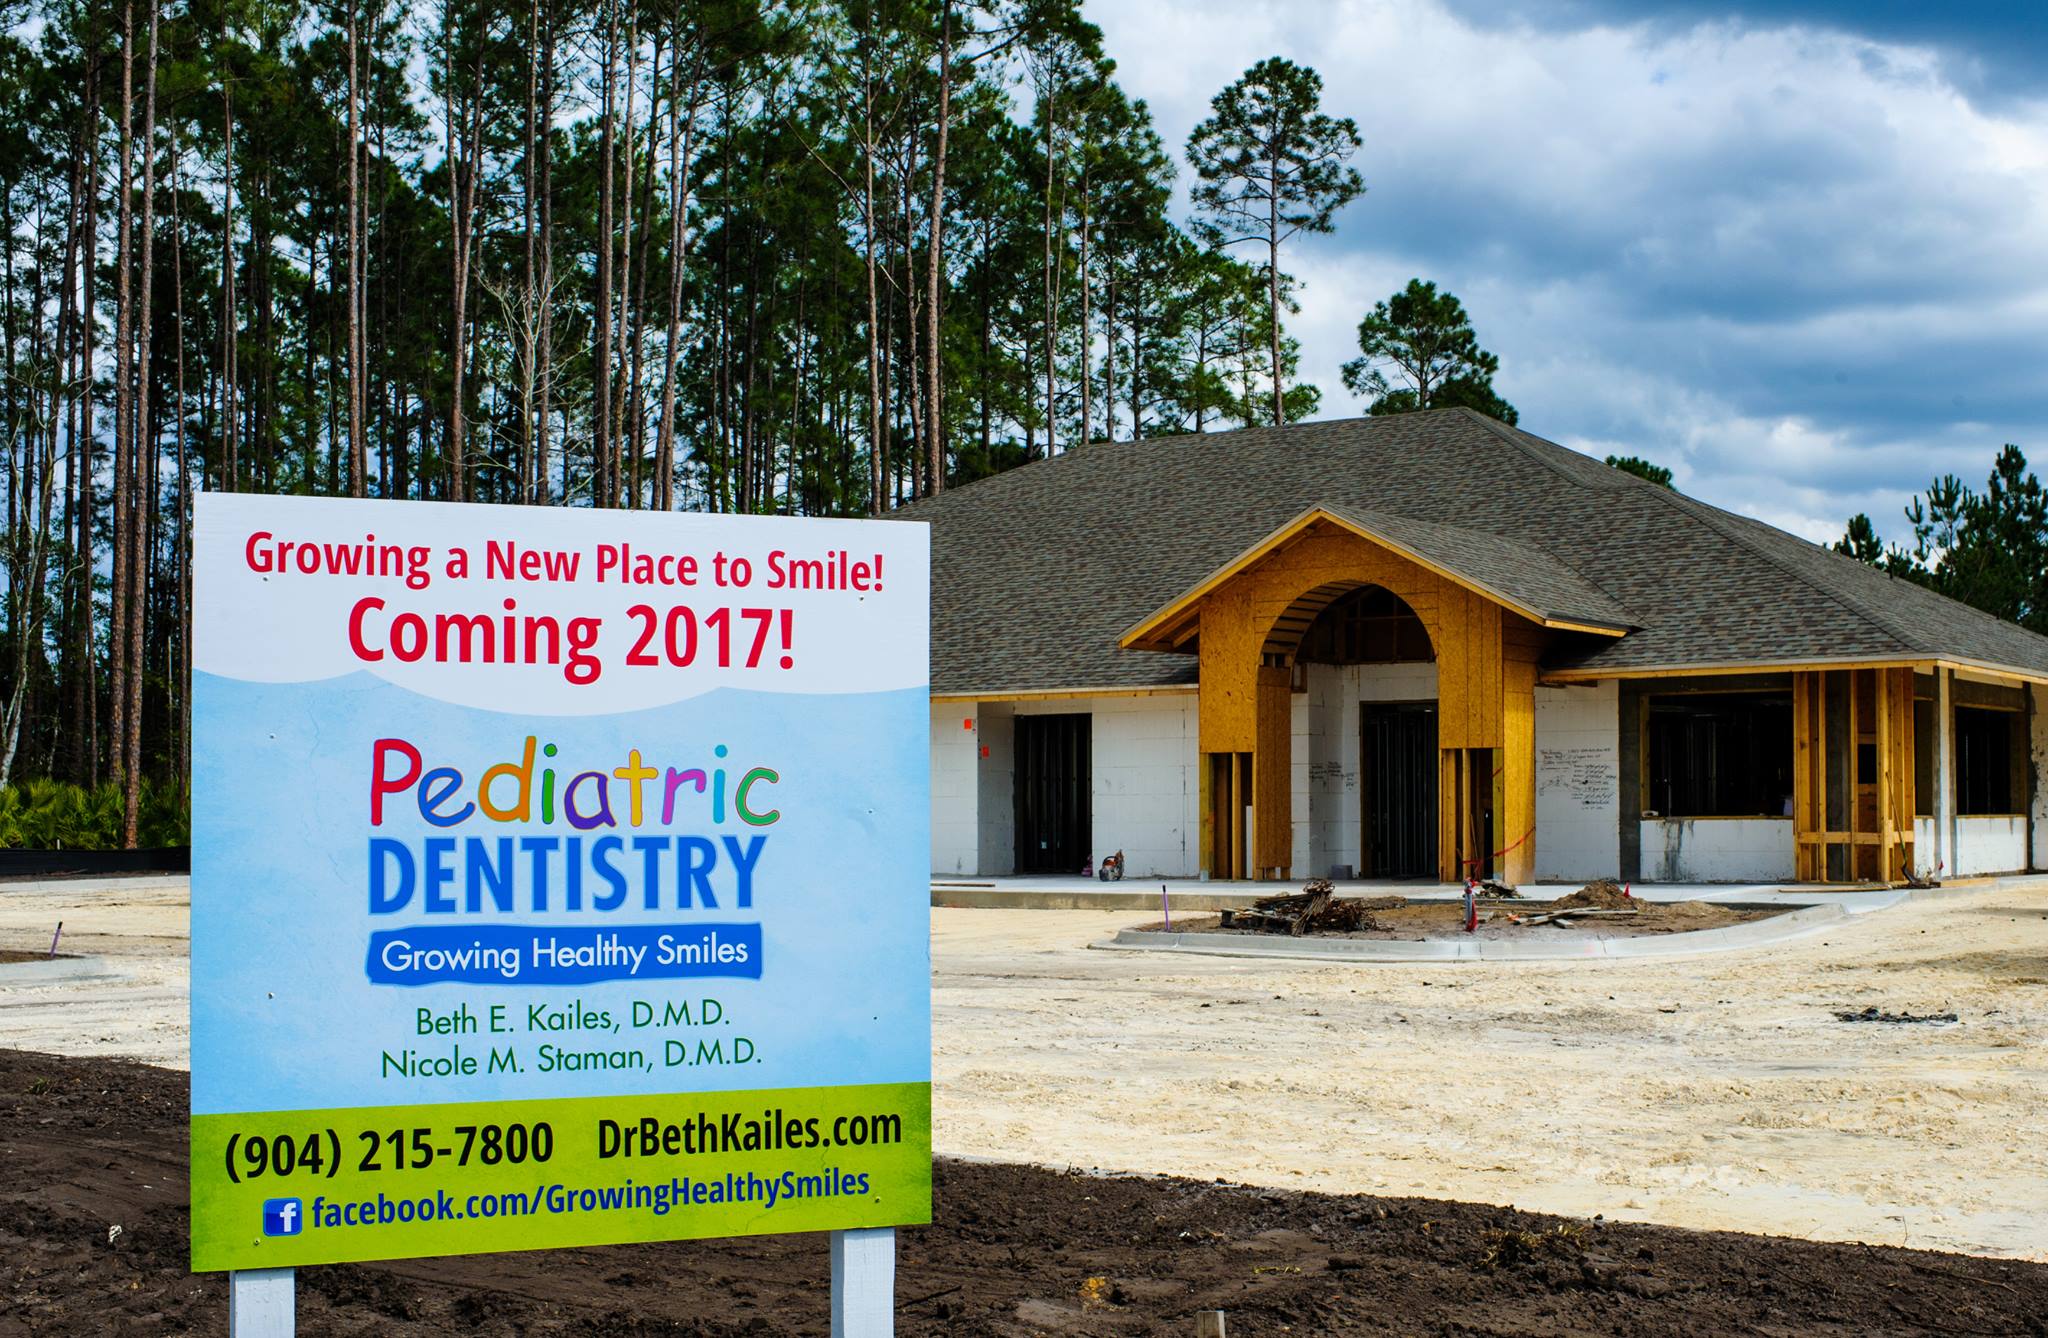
1718 1091
93 1237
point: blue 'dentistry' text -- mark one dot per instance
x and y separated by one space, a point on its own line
561 955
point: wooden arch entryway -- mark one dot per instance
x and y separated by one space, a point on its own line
1245 622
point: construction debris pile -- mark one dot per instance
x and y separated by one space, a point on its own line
1876 1014
1313 910
1603 894
1489 907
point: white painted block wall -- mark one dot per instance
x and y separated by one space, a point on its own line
1718 850
995 726
1146 793
955 790
1578 783
1327 820
1990 845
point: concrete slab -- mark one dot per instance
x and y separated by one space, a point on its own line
54 969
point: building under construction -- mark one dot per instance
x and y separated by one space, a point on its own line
1431 645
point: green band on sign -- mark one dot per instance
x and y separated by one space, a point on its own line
286 1188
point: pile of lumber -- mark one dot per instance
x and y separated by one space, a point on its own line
1314 910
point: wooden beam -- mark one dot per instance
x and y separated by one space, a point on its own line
1063 694
1561 677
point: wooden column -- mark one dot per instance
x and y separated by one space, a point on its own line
1514 807
1273 776
1895 772
1809 777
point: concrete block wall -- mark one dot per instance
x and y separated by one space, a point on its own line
996 727
956 831
1327 820
1989 845
1144 756
1145 785
1718 850
1578 782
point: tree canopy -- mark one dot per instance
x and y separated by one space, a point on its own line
1425 339
1642 469
1272 164
804 259
1988 549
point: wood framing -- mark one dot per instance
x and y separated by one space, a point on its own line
1852 775
1987 672
1250 628
1064 694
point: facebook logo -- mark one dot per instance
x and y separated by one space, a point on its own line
282 1217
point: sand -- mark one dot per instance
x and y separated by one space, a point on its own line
139 927
1716 1091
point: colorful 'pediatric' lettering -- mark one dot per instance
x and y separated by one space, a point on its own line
442 798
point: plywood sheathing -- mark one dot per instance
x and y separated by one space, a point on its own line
1486 659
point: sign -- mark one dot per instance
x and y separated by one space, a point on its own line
559 877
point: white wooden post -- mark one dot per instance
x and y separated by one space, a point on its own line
260 1303
864 1283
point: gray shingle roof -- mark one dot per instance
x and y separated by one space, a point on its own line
1526 576
1037 572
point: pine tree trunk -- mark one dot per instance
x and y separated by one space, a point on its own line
461 179
231 468
935 348
358 449
680 127
1051 285
530 296
601 370
142 453
877 471
1273 296
546 316
1087 336
84 443
181 676
124 401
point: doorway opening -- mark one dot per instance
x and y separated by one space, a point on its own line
1053 781
1398 768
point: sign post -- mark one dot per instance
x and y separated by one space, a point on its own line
260 1303
864 1283
559 879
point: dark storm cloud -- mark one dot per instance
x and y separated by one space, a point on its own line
1990 50
1794 260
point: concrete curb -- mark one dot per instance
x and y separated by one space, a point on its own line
995 899
1756 933
53 971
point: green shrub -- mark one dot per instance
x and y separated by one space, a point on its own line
56 815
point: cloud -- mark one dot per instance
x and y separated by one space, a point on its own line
1992 51
1803 262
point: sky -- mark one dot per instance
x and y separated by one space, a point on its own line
1796 251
